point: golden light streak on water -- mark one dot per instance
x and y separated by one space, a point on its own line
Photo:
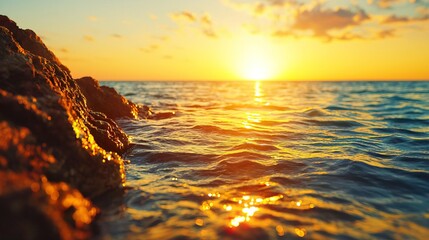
248 206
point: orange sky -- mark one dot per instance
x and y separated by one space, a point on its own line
233 39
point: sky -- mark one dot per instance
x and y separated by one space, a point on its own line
233 39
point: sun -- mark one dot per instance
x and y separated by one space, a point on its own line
256 59
257 69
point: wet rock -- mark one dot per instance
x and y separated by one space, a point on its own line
79 160
106 132
108 101
37 209
55 151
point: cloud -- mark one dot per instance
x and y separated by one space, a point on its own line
64 50
206 19
117 36
149 49
88 38
325 23
206 24
389 3
184 16
330 20
259 8
402 19
395 19
388 33
282 33
321 21
203 23
209 33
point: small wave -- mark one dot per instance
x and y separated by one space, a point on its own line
395 140
211 184
164 157
423 142
359 179
413 160
259 147
337 108
335 123
215 129
329 214
245 155
201 107
270 123
379 155
255 106
395 99
288 167
286 182
399 131
162 115
411 121
314 113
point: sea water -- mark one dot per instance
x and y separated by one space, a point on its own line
275 160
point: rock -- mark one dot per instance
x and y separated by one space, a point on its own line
106 100
38 209
78 159
28 40
107 133
56 153
33 87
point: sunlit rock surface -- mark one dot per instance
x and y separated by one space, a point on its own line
55 152
34 208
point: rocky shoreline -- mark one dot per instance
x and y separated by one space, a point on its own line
60 146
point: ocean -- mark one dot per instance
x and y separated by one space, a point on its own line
274 160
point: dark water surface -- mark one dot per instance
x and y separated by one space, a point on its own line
275 160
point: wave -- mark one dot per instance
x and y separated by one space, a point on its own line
238 106
259 147
334 123
215 129
164 157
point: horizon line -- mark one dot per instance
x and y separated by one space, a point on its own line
346 80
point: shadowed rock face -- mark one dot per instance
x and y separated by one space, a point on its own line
97 96
108 101
54 150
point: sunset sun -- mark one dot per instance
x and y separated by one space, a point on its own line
257 61
256 69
